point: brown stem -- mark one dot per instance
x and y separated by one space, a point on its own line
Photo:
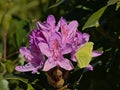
14 53
4 29
10 55
79 79
56 78
5 48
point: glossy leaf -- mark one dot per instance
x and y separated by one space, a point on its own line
93 20
83 55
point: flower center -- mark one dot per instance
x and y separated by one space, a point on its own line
56 51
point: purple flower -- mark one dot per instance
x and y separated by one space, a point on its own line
51 42
58 42
54 52
48 25
68 31
96 53
32 55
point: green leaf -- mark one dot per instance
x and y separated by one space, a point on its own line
7 21
32 4
56 4
22 7
29 87
117 6
9 66
3 84
111 2
93 20
22 59
14 9
2 67
11 76
83 55
20 32
0 17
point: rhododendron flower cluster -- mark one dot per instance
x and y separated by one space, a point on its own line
49 44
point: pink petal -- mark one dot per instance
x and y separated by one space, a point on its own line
65 64
45 49
73 26
63 22
63 29
73 58
51 20
27 67
35 70
49 64
71 31
51 23
26 53
41 26
64 34
55 35
86 37
90 67
57 27
66 49
46 35
96 53
79 37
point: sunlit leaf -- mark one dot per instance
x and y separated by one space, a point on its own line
3 84
117 6
29 87
22 59
93 20
11 76
111 2
83 55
